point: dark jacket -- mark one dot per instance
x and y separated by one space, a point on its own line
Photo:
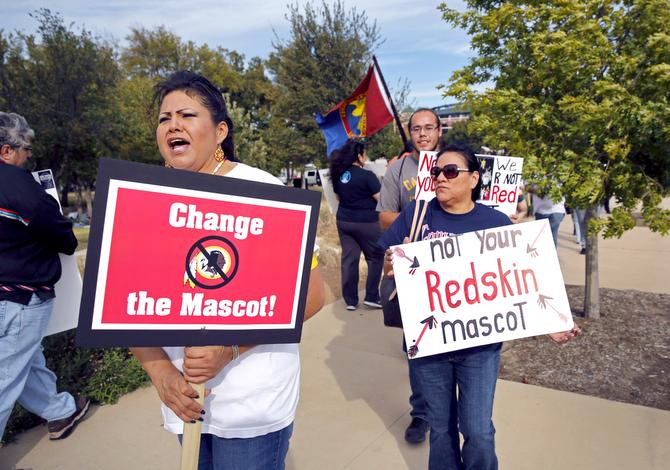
32 233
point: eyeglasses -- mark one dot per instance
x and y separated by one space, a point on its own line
427 128
27 148
450 171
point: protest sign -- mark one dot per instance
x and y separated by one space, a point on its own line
180 258
425 187
501 177
328 191
65 311
479 288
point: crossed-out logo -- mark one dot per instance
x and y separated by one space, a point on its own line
211 263
346 177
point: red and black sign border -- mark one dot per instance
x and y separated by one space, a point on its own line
111 169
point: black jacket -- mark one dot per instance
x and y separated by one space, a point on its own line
32 233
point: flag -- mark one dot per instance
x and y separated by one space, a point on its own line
364 113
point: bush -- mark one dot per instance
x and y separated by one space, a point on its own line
102 374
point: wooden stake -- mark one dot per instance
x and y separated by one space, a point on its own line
190 444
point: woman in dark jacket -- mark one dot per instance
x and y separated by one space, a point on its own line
357 190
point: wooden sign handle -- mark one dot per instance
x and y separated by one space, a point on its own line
190 444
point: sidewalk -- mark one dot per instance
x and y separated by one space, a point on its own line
354 409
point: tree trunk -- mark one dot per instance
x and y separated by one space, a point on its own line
88 200
592 289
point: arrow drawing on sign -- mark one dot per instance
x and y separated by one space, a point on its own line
428 324
414 262
542 301
531 248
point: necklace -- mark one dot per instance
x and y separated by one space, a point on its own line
218 165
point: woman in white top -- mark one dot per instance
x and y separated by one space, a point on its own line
251 400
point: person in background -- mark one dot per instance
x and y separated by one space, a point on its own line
357 190
458 386
545 208
521 207
32 233
398 189
248 416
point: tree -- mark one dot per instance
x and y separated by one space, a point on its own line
63 83
580 91
326 57
152 55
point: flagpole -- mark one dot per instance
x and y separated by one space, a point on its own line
388 95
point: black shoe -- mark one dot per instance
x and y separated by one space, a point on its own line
582 251
62 428
416 431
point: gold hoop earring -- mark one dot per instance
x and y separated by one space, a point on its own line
219 156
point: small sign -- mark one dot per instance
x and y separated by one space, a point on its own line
480 288
65 311
501 178
329 191
425 186
179 258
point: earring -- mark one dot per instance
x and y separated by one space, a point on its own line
219 155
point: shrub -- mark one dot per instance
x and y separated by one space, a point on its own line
102 374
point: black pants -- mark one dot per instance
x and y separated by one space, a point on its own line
354 237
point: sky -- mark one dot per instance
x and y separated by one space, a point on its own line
419 46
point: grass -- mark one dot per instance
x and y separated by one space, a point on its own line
82 237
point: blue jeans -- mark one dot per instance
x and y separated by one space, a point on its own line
474 373
266 452
555 220
416 400
24 376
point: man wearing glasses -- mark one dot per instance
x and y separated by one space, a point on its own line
398 188
32 233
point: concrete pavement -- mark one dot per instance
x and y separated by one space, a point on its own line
354 409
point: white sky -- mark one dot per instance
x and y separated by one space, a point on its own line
419 45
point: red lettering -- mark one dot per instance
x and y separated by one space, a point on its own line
471 282
449 293
432 289
503 280
491 284
427 162
493 195
503 195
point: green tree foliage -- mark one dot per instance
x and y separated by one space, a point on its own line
581 92
63 83
325 58
152 55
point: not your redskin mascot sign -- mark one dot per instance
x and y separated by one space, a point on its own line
479 288
179 258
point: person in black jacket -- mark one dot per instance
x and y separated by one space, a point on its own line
357 190
32 233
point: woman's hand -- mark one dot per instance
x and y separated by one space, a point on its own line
202 363
565 336
388 260
178 395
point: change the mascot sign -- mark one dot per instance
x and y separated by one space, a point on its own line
480 288
180 258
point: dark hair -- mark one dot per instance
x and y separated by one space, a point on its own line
471 161
210 96
342 159
430 110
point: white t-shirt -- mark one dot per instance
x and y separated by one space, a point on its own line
544 205
258 393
